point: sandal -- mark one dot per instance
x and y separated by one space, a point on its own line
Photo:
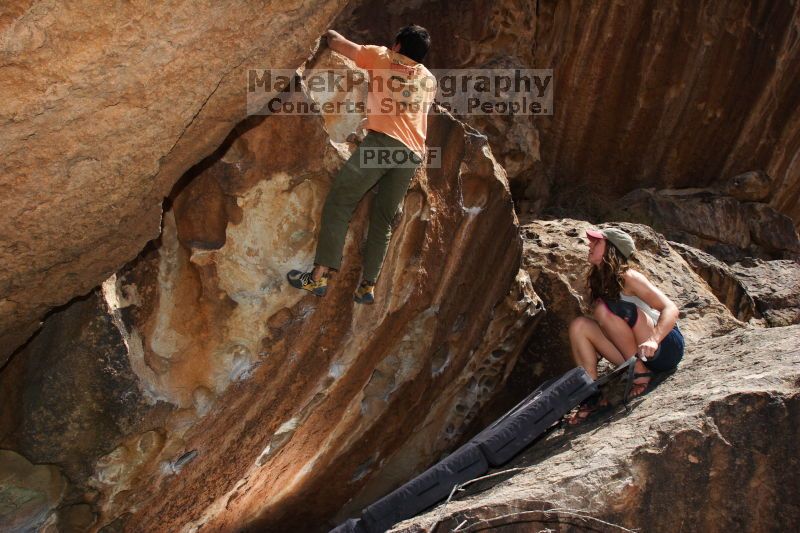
635 389
586 409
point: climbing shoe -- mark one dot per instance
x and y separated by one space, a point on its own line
303 280
365 293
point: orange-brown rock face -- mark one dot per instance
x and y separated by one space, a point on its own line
667 94
103 108
658 94
245 399
186 387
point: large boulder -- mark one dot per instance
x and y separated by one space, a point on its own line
753 186
111 105
723 225
197 388
555 257
28 493
710 449
765 293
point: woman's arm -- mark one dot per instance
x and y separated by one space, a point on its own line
638 285
337 43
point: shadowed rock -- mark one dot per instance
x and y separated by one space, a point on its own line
722 225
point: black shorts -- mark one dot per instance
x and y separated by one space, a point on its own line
627 311
669 353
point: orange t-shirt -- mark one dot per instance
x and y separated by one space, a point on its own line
401 92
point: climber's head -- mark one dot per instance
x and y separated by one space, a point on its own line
413 42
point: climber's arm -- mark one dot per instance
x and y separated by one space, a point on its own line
337 43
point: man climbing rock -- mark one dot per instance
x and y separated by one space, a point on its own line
401 91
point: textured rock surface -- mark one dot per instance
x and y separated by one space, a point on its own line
194 391
643 99
749 187
657 94
71 397
708 439
723 225
196 388
111 106
554 256
705 451
28 493
763 292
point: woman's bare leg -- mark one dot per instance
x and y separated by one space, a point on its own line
627 339
617 330
587 340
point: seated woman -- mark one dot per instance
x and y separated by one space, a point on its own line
630 316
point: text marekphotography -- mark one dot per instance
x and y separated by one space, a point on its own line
462 92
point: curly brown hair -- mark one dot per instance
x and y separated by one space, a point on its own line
606 280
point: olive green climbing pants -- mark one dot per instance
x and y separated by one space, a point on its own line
366 168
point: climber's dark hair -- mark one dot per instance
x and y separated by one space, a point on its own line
414 42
